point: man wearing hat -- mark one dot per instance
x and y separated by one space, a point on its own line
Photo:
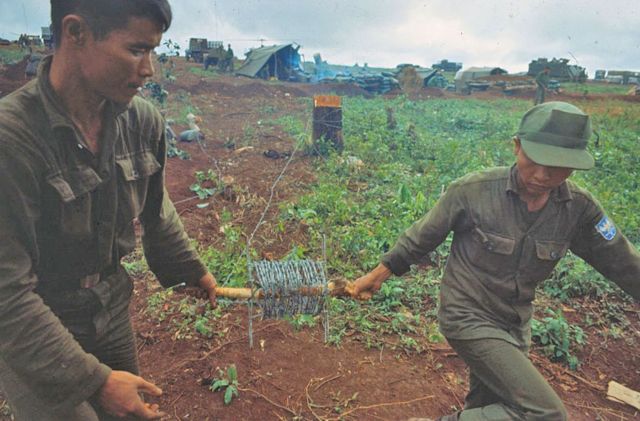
542 85
511 227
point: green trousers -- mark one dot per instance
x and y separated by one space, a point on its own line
504 384
540 94
112 343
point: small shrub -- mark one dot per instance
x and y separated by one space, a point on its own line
558 338
228 382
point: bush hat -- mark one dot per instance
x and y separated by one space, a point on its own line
555 134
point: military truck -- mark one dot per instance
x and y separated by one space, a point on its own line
560 69
447 66
34 40
201 47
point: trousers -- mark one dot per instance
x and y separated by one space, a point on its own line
504 384
111 341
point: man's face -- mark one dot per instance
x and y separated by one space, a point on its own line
117 65
538 179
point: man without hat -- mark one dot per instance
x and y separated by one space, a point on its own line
82 157
510 227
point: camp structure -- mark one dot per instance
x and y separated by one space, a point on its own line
409 75
280 62
47 36
447 66
464 80
559 69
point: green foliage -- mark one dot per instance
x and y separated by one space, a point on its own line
157 92
403 170
174 151
558 338
575 278
300 321
362 209
591 88
404 308
157 304
229 263
203 179
210 73
228 382
135 264
11 55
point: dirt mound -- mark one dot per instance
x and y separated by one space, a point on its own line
12 77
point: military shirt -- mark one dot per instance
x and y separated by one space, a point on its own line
66 214
501 251
542 79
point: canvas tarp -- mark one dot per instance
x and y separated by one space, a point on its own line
280 61
467 75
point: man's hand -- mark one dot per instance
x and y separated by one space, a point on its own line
119 396
364 287
208 284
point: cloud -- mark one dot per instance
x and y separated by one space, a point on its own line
506 33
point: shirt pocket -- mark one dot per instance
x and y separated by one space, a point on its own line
133 182
548 254
72 211
493 253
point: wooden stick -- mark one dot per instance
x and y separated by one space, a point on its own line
246 293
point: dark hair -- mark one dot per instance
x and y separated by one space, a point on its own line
104 16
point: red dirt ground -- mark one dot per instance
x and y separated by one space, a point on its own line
292 374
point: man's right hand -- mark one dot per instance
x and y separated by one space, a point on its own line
119 396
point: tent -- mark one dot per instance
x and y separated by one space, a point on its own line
277 61
464 76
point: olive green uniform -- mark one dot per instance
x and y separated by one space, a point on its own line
542 83
66 218
500 252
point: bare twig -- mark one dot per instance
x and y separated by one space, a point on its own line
569 373
613 412
185 200
358 408
332 378
173 402
289 410
310 403
258 375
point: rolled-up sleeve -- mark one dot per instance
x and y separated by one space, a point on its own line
33 341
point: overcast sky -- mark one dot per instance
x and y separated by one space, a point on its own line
597 34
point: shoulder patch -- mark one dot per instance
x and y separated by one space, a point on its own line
606 228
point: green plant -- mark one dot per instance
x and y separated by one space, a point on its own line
135 264
573 277
228 382
157 92
300 321
158 303
204 178
11 55
558 338
210 73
